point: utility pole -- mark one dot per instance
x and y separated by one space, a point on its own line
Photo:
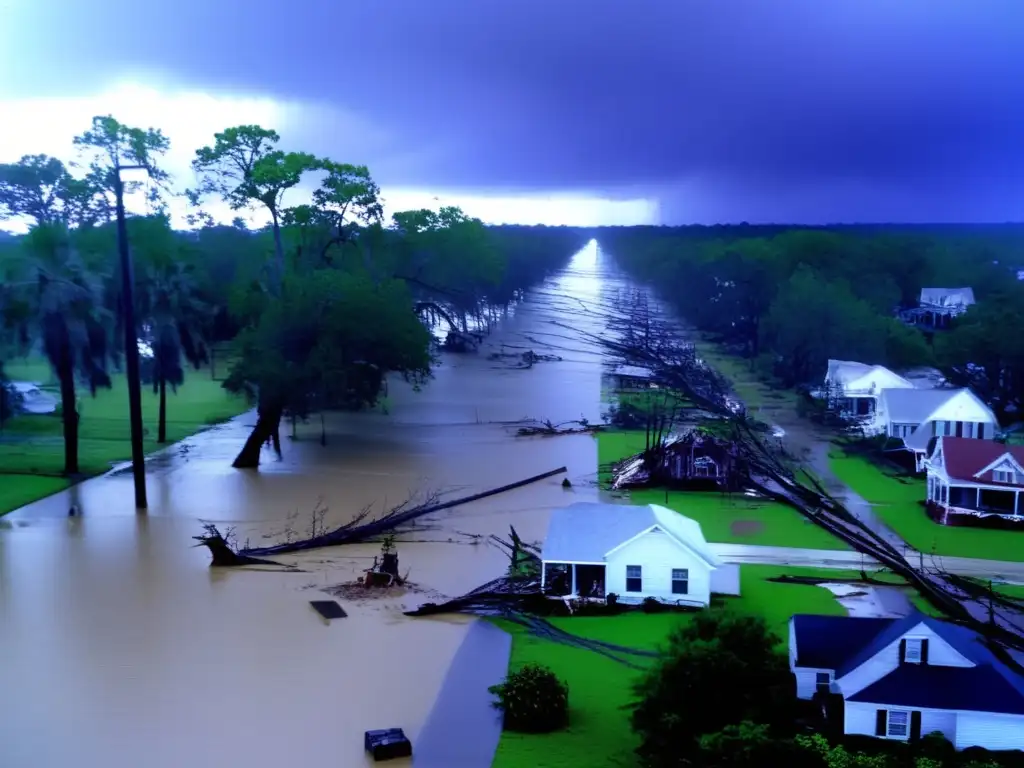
131 341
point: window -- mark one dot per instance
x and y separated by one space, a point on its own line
680 581
1004 476
634 579
898 724
913 653
823 681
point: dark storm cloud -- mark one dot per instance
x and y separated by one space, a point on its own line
735 109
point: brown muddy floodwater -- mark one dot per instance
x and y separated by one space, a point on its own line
120 647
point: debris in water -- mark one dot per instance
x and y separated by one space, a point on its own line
387 744
329 609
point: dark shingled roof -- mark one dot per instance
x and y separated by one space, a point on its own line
976 689
826 642
843 643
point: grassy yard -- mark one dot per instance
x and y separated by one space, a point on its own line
897 500
723 518
32 447
599 733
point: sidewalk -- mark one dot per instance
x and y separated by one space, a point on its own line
996 570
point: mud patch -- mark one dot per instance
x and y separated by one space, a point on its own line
746 527
861 600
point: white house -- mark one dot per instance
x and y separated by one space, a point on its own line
635 552
938 306
905 678
975 477
916 416
853 388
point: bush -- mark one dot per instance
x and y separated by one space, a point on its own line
533 700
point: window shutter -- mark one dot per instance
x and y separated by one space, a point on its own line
915 725
903 650
924 651
880 722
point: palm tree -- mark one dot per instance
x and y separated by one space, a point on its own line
171 313
71 321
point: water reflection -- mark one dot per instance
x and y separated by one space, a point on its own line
121 648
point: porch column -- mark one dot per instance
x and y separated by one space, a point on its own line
543 573
977 498
573 566
1016 503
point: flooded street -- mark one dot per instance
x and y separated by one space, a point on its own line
119 646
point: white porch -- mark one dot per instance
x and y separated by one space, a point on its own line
573 579
974 498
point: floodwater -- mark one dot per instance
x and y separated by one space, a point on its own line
119 646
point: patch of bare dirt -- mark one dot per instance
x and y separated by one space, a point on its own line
746 527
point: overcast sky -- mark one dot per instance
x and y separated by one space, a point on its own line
579 111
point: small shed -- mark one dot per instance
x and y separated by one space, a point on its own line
635 552
632 378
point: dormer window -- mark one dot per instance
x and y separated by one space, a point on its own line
1004 476
914 653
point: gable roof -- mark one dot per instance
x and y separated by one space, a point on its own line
976 689
844 372
825 642
964 457
586 532
989 686
947 297
913 406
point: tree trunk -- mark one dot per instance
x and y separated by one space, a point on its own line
278 251
267 427
161 430
66 375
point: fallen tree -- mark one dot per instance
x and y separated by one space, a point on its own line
356 530
549 429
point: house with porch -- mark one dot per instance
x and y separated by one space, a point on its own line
902 679
974 482
636 552
938 306
852 388
914 416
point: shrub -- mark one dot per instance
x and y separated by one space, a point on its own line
533 700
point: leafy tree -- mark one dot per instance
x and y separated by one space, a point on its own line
109 146
245 169
329 340
719 669
813 320
532 700
979 352
39 188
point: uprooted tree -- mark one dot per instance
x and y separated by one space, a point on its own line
362 527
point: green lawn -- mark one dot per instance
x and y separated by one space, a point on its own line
723 518
32 447
897 500
599 733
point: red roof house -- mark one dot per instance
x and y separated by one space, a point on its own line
975 482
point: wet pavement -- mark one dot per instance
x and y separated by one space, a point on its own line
463 729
